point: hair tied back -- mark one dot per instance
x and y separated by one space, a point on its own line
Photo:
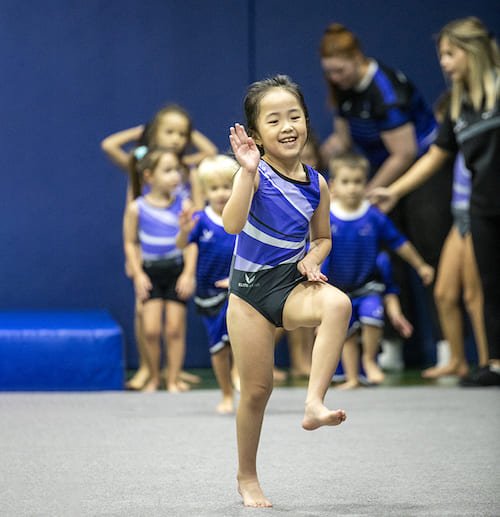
140 152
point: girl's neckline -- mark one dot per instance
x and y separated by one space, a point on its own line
307 181
166 204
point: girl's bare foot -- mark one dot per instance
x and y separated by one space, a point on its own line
348 385
300 373
373 373
252 494
138 380
317 415
178 387
151 386
434 372
189 377
226 407
279 375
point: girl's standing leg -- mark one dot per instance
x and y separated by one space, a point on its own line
473 299
141 376
152 314
252 342
175 335
319 304
447 293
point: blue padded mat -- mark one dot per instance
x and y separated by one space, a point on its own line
60 350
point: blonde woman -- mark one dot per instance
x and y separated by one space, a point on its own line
469 56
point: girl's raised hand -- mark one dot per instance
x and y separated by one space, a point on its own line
244 148
187 219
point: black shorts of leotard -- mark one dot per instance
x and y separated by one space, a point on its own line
163 275
267 290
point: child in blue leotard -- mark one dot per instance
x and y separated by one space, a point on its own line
276 201
150 228
208 250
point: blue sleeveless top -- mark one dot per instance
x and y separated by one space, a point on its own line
278 223
158 228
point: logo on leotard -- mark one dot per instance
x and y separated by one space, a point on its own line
249 278
249 281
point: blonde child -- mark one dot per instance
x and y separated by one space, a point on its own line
358 232
172 128
150 227
275 202
208 250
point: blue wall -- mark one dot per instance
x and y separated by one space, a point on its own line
75 71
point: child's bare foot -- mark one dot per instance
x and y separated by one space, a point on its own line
279 375
373 373
151 386
252 494
178 387
138 380
300 373
226 406
434 372
348 385
189 377
317 415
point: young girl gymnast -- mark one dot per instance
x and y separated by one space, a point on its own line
171 127
275 202
150 227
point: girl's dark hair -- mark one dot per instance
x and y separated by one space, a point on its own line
148 161
258 89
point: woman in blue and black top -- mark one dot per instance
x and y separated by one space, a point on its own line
470 57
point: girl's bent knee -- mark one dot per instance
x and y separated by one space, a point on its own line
340 304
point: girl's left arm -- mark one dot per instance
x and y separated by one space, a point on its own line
321 238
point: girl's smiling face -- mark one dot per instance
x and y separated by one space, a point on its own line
281 125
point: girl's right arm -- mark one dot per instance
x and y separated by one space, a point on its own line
187 221
235 213
142 283
113 144
186 283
